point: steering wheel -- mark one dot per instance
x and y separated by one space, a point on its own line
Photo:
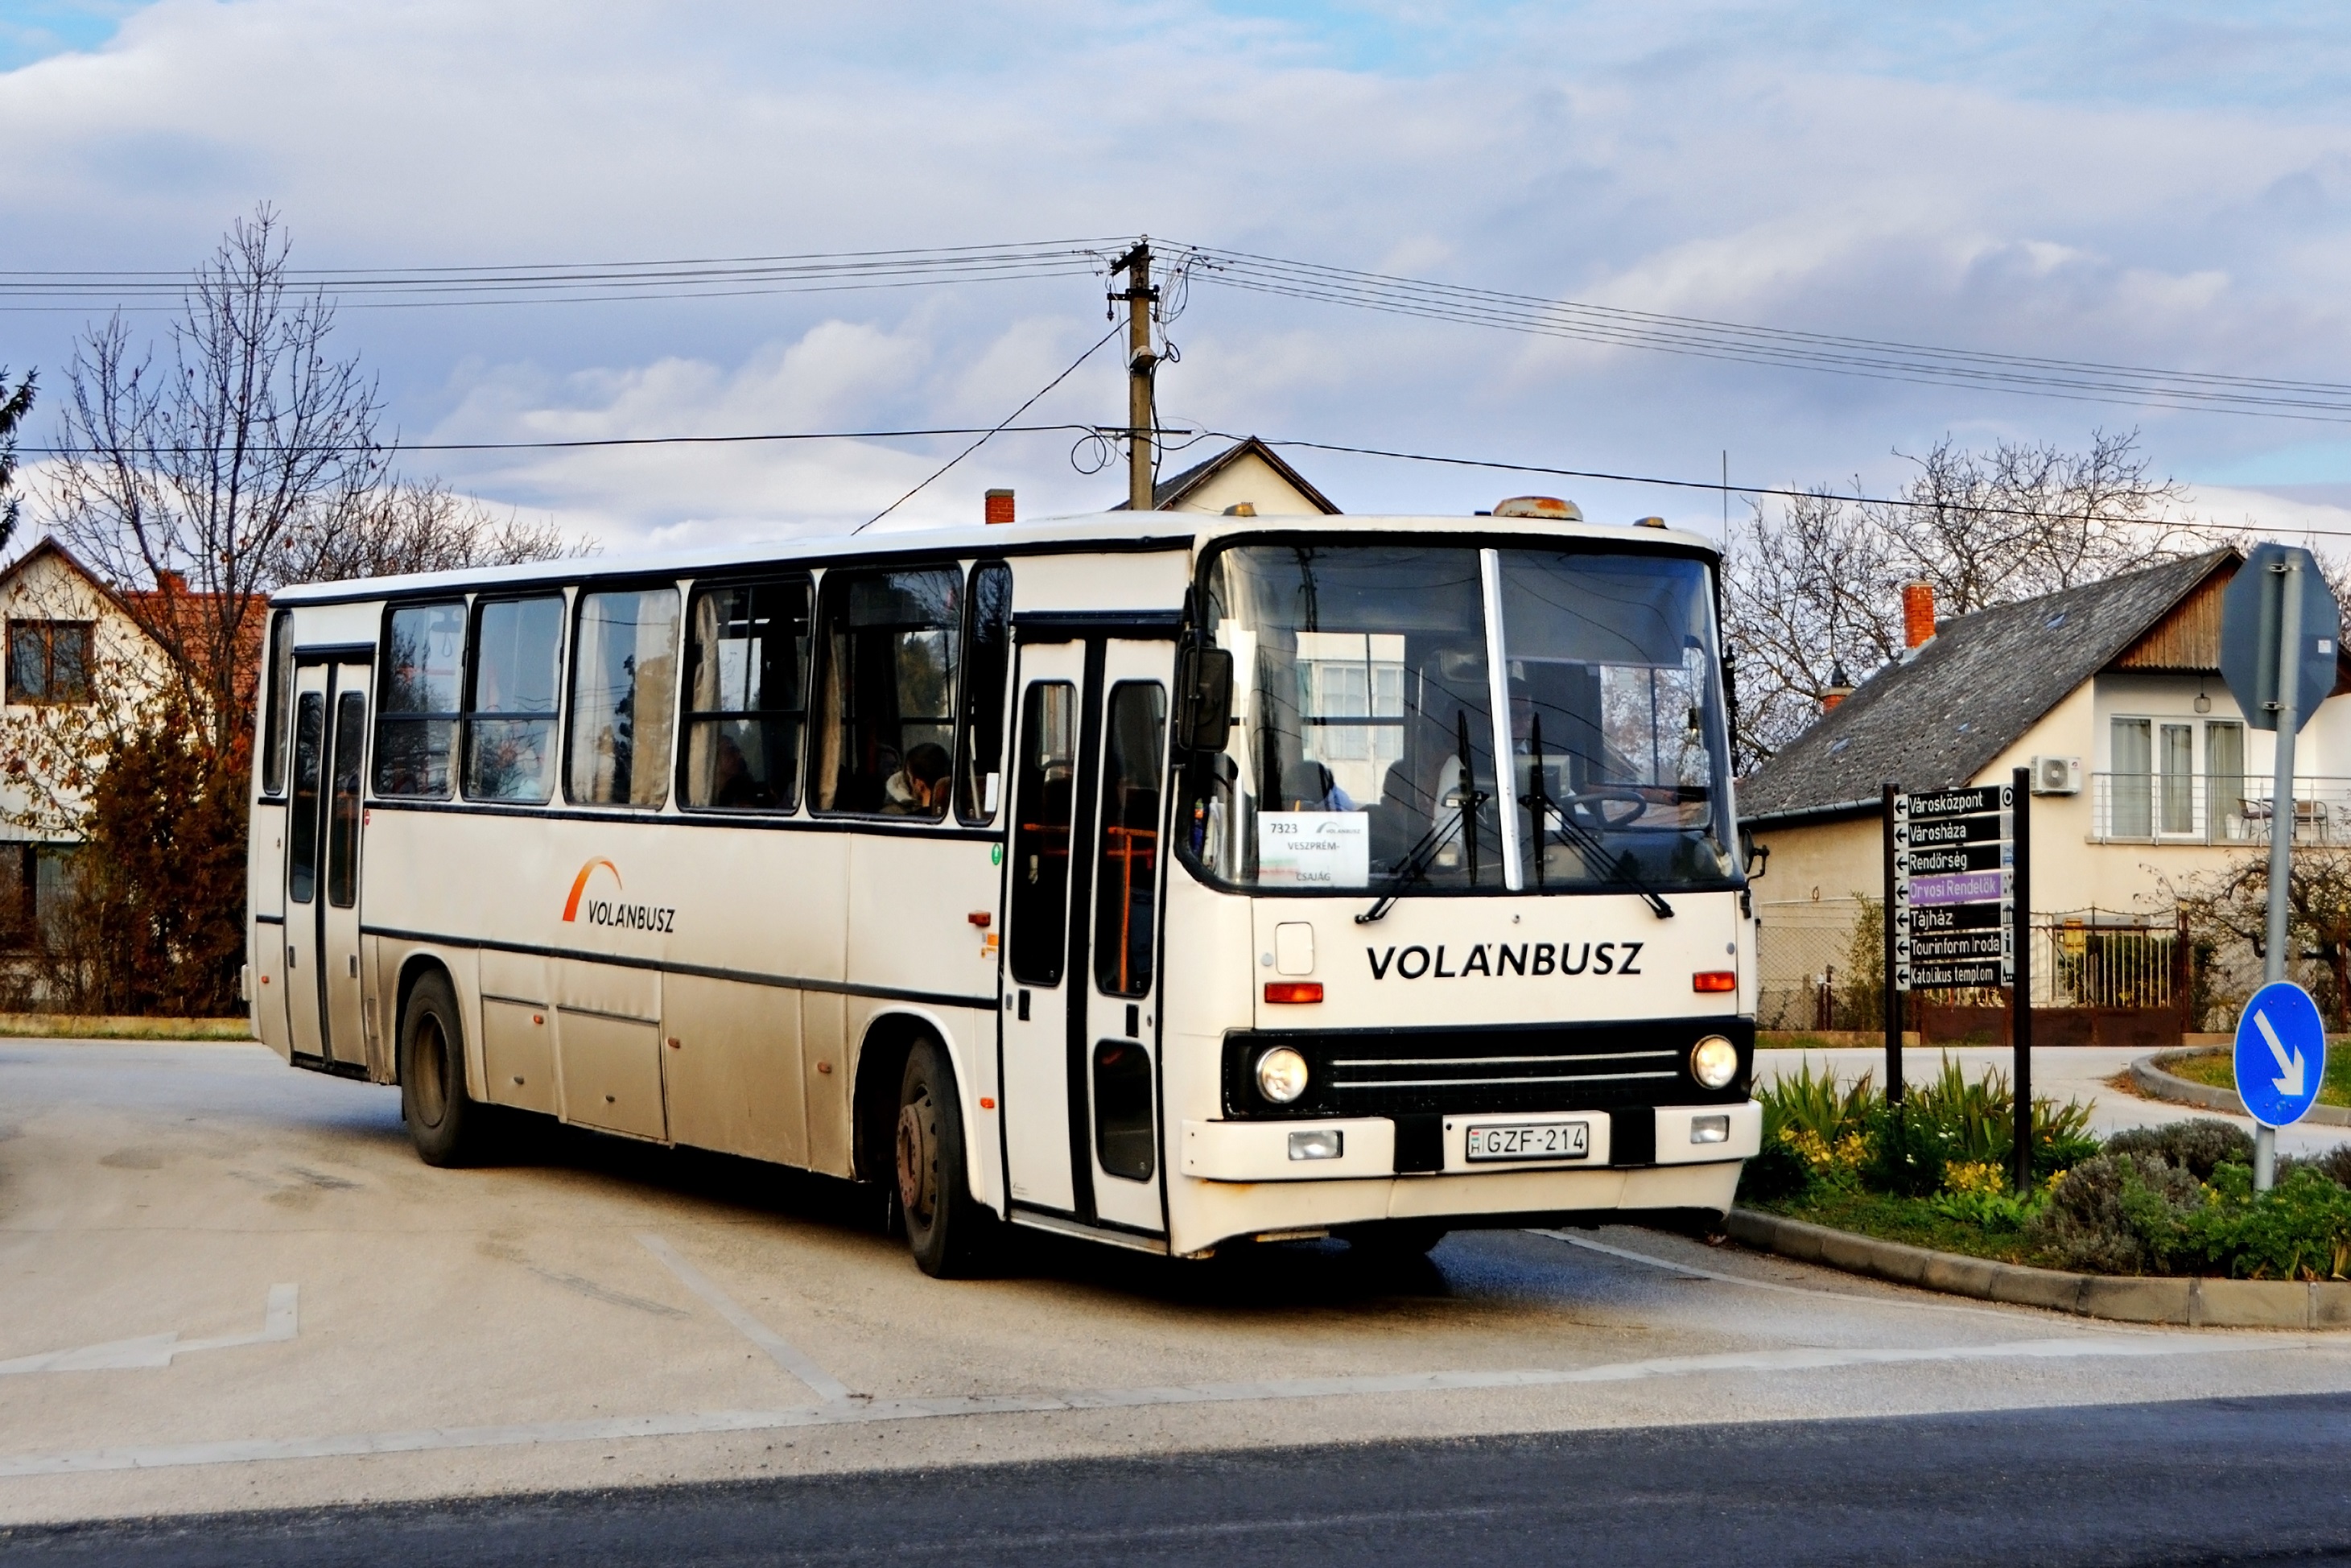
1593 805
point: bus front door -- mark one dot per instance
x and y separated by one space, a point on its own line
1040 1020
324 818
1080 1112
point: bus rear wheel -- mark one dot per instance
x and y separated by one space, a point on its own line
951 1234
447 1128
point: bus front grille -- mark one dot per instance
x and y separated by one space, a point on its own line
1552 1066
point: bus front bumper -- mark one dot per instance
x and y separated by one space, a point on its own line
1361 1147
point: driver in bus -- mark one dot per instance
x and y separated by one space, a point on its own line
919 787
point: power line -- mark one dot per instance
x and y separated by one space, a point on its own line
1725 487
976 446
1870 357
586 443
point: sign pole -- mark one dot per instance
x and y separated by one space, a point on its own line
2281 819
2021 988
1893 993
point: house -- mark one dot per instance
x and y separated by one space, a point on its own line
1247 474
73 653
2148 775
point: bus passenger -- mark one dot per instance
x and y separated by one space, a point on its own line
919 787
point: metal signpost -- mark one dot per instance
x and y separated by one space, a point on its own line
2279 626
1956 864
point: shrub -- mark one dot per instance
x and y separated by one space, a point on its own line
2300 1229
1911 1152
1810 1102
2115 1214
2334 1164
2200 1146
1774 1175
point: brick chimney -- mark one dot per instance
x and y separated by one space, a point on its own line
999 506
1840 688
169 581
1917 613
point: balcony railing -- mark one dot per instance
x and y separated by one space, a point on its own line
2213 808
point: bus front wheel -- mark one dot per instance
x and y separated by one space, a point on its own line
948 1230
446 1127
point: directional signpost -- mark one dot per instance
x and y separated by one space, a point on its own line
2281 1054
1956 864
2279 627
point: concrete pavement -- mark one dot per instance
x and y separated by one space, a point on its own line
599 1313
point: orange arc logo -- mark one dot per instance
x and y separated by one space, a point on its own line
580 885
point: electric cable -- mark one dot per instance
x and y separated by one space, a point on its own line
983 441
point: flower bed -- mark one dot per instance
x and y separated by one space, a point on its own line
2171 1200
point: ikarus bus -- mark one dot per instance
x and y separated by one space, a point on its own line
1171 881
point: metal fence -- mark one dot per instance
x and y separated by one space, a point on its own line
2213 808
1819 969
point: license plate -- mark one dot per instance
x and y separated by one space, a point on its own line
1529 1141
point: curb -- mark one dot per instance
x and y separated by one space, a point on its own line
2130 1298
2149 1074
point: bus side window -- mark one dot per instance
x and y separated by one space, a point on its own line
281 702
417 711
747 655
1041 805
302 832
986 660
885 735
511 722
622 666
343 801
1126 882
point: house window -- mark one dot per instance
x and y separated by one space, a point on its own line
2134 780
49 661
2224 772
2177 777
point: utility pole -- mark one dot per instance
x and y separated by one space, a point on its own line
1142 299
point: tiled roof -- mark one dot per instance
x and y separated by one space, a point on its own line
1942 714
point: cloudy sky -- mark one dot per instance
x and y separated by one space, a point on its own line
2149 184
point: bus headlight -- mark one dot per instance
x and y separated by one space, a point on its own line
1282 1075
1714 1061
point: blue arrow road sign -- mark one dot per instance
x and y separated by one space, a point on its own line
2281 1054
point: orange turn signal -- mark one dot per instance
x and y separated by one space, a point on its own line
1293 990
1714 980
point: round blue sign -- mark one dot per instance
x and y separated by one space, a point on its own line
2281 1054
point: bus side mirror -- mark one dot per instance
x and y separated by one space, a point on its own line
1752 856
1204 684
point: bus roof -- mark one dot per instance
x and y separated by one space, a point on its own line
1123 532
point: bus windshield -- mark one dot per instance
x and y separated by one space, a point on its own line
1366 680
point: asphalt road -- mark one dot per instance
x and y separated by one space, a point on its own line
2211 1481
229 1289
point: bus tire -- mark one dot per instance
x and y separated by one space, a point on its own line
951 1234
447 1128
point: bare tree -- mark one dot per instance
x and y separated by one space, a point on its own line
406 525
1812 587
13 406
180 481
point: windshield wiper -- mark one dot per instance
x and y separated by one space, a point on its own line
1415 866
1423 853
1538 804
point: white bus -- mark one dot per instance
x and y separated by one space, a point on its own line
1146 878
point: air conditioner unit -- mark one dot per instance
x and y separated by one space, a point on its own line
2056 775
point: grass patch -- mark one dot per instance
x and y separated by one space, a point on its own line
2218 1069
76 1026
1915 1220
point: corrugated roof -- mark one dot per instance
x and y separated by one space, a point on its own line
1941 715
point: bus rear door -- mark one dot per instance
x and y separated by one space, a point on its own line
324 819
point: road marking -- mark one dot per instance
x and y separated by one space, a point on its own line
2010 1316
279 1321
867 1411
780 1350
